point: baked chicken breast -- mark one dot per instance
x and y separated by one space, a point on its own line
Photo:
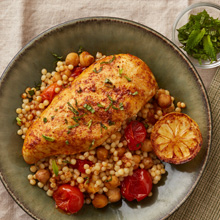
83 115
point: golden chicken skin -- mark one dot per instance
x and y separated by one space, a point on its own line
83 115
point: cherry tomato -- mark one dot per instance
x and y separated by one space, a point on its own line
137 186
135 134
68 198
80 165
77 71
49 92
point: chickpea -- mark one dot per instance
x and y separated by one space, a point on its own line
148 162
121 151
147 146
164 100
137 160
100 201
112 182
102 153
72 59
92 189
86 59
43 175
114 195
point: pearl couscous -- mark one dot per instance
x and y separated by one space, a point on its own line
102 169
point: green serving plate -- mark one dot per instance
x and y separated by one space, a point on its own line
173 72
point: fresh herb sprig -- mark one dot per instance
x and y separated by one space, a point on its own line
200 37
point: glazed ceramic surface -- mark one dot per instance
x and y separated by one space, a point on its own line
172 70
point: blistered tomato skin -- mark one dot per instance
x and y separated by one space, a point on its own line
135 134
138 186
68 198
49 92
80 165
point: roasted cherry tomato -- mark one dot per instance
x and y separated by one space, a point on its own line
68 198
49 92
135 134
80 165
77 71
137 186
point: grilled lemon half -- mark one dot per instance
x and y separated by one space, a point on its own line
176 138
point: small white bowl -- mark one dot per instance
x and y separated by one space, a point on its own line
214 11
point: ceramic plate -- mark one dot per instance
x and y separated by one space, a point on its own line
172 70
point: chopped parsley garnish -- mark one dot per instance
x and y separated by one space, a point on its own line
66 121
18 120
103 126
72 109
120 72
126 77
55 167
52 117
80 90
48 138
110 98
73 126
108 83
45 120
89 123
100 105
67 142
92 143
111 122
146 125
31 92
110 61
135 93
109 106
109 179
68 131
56 110
80 50
58 58
87 179
98 71
115 107
200 37
37 86
66 161
121 106
89 108
77 118
76 103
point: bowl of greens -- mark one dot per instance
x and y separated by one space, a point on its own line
197 32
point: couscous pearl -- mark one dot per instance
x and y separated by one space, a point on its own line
121 172
73 161
44 71
32 182
41 106
65 169
61 68
40 185
59 83
46 103
33 169
80 180
19 132
49 192
64 77
182 105
59 63
70 67
43 77
30 176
